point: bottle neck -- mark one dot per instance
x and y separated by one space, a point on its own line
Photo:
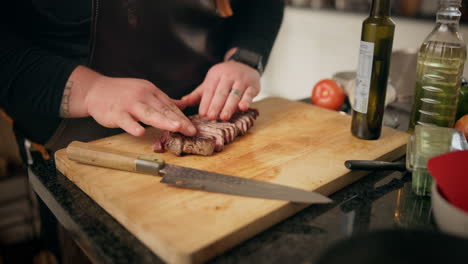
448 14
380 8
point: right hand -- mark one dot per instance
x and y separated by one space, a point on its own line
122 102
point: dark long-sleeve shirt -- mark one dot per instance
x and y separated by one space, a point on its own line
43 41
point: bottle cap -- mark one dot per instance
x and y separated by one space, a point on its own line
457 3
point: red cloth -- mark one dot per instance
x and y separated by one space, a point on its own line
450 171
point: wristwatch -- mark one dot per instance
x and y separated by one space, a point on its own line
249 58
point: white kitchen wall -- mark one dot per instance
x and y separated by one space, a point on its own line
314 44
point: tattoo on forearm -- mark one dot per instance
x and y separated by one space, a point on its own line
65 106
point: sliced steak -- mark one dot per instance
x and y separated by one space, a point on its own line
211 136
199 145
208 131
230 130
177 144
244 120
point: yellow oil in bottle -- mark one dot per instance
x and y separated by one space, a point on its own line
439 71
441 60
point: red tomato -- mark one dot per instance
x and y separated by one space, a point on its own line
462 124
328 94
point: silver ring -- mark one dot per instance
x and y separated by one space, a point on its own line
236 92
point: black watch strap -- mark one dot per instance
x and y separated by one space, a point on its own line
249 58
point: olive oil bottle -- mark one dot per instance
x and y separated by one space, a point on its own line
440 64
372 74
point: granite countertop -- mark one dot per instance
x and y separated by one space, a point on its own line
380 201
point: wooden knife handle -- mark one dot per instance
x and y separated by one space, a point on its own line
101 156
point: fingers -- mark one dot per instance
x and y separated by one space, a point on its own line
127 123
209 87
163 117
247 98
171 111
219 98
230 107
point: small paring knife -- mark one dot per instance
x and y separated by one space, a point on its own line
184 177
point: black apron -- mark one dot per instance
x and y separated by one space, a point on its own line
171 43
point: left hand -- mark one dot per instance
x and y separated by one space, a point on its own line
228 86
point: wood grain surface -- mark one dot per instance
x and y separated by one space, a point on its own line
292 143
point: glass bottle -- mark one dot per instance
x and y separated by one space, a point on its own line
441 59
372 74
462 108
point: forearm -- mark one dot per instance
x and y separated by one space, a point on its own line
31 85
31 80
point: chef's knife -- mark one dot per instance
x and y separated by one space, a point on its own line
187 177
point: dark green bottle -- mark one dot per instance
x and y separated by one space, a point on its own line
372 74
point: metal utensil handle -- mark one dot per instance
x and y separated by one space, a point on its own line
110 158
374 165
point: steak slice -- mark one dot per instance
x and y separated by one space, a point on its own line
209 131
212 135
177 144
244 120
204 146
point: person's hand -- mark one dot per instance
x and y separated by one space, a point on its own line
228 86
122 102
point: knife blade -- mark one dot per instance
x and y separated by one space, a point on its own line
185 177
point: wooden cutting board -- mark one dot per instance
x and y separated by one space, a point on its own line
292 143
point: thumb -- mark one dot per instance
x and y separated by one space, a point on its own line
194 97
180 104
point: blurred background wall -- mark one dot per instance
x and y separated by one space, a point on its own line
321 37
